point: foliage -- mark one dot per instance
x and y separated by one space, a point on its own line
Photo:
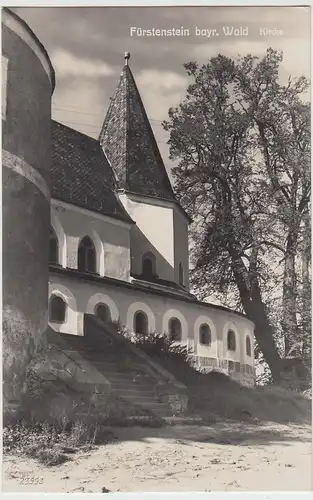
242 141
162 346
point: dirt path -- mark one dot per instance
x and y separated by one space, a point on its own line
224 457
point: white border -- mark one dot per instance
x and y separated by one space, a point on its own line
157 496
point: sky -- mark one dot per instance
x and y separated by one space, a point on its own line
86 46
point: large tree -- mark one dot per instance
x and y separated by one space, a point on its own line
242 140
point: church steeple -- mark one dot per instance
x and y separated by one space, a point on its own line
129 143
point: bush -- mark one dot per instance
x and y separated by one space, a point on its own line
157 345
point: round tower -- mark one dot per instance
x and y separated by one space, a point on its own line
27 87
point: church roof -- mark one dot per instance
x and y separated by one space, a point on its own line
129 143
81 174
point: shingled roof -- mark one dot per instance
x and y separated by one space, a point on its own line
129 143
81 174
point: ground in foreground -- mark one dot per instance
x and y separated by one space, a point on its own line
222 457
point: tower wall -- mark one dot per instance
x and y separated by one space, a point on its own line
153 232
27 86
181 246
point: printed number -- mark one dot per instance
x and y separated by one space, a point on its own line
31 480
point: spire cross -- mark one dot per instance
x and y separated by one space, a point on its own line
126 57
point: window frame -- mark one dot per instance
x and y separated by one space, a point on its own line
229 347
170 331
53 298
53 236
181 274
146 319
248 343
103 305
88 250
209 334
148 256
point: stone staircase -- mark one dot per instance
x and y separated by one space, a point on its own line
130 381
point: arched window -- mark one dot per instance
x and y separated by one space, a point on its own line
205 334
248 346
86 255
231 340
148 265
141 323
103 312
53 248
181 274
57 309
174 328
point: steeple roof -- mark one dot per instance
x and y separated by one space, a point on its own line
129 143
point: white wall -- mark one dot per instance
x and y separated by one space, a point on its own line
110 236
153 232
162 229
124 302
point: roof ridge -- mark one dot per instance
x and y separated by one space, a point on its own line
125 69
76 131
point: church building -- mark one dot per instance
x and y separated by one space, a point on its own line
107 214
119 240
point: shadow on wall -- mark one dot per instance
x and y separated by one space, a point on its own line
163 269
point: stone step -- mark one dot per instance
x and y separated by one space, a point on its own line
95 353
133 390
111 366
147 403
128 385
135 393
105 360
130 375
115 373
152 406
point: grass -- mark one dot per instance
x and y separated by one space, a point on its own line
55 442
50 444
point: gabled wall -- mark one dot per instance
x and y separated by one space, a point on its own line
161 229
110 236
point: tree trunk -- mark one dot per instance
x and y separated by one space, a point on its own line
255 311
289 300
306 291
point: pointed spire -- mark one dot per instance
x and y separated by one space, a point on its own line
129 143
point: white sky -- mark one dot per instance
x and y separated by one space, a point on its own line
86 46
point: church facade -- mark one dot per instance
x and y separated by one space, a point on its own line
118 241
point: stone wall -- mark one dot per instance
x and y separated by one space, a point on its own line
61 385
26 157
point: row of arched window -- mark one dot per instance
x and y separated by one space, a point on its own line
87 258
231 342
57 313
